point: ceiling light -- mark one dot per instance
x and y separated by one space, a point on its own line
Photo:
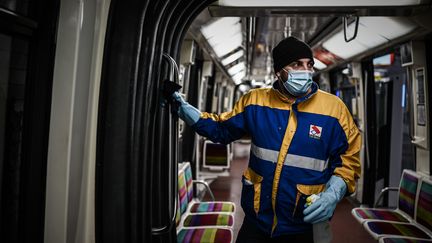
318 64
231 58
228 45
238 77
372 32
224 35
236 68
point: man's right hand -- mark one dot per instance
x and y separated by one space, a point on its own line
186 112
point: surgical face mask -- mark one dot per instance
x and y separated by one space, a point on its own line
298 82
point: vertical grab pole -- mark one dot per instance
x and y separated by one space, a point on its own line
173 159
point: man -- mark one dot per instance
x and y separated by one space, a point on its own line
304 142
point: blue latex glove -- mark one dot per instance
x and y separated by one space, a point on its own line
322 209
186 112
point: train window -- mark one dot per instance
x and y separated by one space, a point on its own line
421 110
406 54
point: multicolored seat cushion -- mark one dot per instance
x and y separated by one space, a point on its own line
407 192
182 192
379 214
178 214
204 235
206 207
188 177
402 240
208 220
424 207
378 228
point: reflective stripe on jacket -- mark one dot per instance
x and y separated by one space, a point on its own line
296 148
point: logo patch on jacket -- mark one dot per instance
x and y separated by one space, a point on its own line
315 131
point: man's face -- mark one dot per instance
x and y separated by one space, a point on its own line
300 64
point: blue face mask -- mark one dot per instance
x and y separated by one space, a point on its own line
298 82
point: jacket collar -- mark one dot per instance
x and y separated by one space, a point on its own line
284 98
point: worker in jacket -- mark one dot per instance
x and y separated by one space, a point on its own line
304 142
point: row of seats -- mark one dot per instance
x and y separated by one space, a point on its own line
201 222
411 221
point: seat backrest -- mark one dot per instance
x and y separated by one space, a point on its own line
424 205
182 190
215 155
178 214
407 191
188 176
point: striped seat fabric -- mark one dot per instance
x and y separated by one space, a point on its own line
204 235
182 192
208 220
188 176
178 214
378 228
412 229
204 207
381 214
407 193
406 203
402 240
424 207
214 220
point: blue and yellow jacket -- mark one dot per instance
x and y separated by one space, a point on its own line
296 148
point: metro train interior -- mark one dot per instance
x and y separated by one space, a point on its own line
91 151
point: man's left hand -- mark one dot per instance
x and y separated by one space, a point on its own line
322 209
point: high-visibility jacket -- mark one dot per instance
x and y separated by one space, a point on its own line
296 147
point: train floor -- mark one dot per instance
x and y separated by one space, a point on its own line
228 188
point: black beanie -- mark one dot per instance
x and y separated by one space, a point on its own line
290 50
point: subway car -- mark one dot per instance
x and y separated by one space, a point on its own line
92 151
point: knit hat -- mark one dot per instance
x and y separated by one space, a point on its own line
290 50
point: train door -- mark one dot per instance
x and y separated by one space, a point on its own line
27 46
428 45
390 118
417 70
393 122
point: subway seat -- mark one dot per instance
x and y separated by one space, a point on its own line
203 207
418 229
204 235
406 203
208 220
201 222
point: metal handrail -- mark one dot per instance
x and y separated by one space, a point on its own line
207 187
173 76
386 189
174 72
